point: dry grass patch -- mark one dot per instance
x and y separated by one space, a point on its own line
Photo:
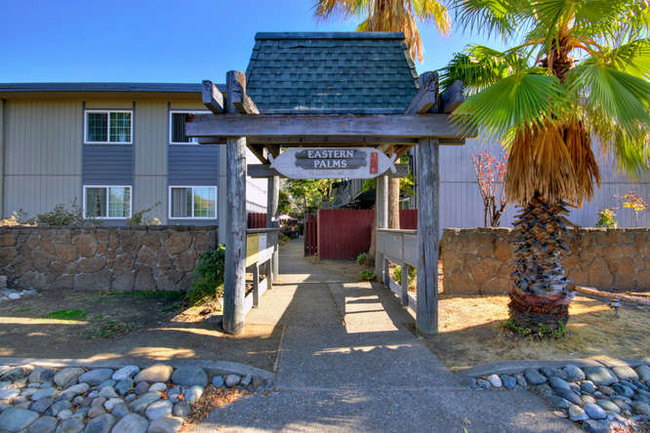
212 398
471 333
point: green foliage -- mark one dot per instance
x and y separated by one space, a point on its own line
60 215
284 202
397 274
67 315
361 258
207 286
138 218
607 218
308 194
283 239
367 275
544 330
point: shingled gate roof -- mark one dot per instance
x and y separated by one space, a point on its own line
369 72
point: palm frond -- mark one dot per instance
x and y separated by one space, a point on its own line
518 102
433 10
633 57
491 17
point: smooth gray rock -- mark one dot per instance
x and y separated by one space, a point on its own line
558 383
98 401
623 390
553 372
42 405
81 413
44 393
182 409
46 424
131 423
9 394
130 397
96 411
16 373
606 390
15 419
141 388
96 376
158 386
218 382
577 414
29 391
189 376
73 391
494 380
623 404
569 395
574 374
608 405
534 377
644 373
139 405
484 384
509 382
120 410
600 375
625 373
641 407
106 383
40 375
588 399
596 426
559 402
521 380
158 409
123 386
629 384
165 425
58 407
544 390
72 425
125 373
108 392
588 386
232 380
64 414
594 411
194 394
155 373
110 403
246 380
101 424
66 376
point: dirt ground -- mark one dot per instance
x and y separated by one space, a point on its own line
133 326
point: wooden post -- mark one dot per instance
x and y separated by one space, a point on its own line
2 159
272 215
381 211
256 285
235 266
404 296
428 187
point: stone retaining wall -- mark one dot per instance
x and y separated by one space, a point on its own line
477 261
102 258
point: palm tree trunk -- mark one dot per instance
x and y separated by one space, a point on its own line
393 203
541 294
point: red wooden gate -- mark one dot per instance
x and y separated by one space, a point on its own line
256 220
310 233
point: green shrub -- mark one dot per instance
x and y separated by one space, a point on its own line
367 275
361 258
607 218
138 218
397 274
207 286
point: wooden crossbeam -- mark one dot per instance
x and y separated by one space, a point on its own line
240 98
427 96
452 98
333 125
212 97
265 170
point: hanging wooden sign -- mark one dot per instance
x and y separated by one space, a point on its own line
332 163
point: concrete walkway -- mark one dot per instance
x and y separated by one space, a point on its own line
349 362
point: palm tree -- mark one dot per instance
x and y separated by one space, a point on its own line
580 72
390 15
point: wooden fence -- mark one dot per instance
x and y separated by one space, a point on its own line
256 220
399 247
260 245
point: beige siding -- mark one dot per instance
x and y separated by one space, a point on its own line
42 154
107 104
151 192
151 138
187 105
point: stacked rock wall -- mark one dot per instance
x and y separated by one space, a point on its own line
477 261
102 258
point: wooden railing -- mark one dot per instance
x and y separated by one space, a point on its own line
261 244
399 247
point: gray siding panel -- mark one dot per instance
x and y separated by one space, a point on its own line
107 164
193 165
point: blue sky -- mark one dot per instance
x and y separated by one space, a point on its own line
160 40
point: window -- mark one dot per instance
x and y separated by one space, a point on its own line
107 201
103 127
193 202
177 121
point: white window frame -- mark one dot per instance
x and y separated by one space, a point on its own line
107 202
108 125
216 202
182 143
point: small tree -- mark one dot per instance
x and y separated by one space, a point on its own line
490 173
635 202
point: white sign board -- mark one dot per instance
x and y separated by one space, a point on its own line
332 163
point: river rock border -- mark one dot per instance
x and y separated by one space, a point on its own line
102 400
602 399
